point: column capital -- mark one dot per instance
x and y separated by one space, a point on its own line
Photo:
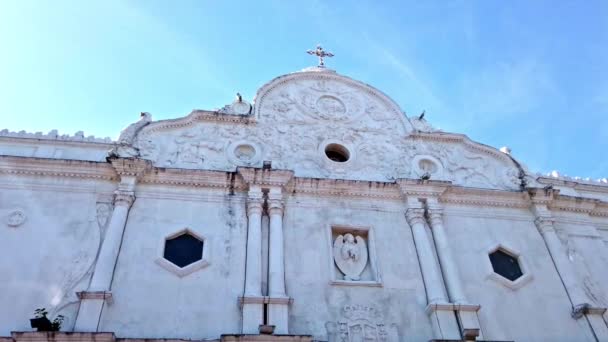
435 217
254 205
544 224
275 206
415 216
124 198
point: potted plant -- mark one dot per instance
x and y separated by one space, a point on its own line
41 322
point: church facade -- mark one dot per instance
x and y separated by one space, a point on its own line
320 212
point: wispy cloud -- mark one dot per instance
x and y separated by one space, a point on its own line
504 90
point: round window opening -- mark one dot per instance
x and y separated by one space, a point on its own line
337 153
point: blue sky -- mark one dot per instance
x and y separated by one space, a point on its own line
532 75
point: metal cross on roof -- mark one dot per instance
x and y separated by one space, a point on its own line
319 52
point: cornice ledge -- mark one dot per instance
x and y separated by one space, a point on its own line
196 116
578 184
485 197
261 177
601 209
422 188
31 166
346 188
130 166
62 336
195 178
542 196
574 204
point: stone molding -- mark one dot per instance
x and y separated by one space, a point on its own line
29 166
110 337
196 116
130 166
430 308
265 178
266 338
54 135
463 139
447 193
265 300
193 178
104 295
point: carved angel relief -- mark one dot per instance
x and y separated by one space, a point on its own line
350 255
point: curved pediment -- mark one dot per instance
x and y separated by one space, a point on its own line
301 121
318 96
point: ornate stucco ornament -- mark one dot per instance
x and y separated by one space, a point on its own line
237 107
124 147
16 218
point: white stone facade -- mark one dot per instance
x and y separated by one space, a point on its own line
321 209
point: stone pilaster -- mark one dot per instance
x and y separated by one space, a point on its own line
466 313
277 312
544 222
98 293
439 309
253 310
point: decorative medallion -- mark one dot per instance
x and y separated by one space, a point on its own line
16 218
244 153
330 106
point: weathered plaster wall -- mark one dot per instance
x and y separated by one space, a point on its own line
39 148
539 310
49 256
318 306
152 302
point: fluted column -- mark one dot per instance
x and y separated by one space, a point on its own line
99 293
278 307
253 277
448 264
428 265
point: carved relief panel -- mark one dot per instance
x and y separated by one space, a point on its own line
361 323
294 120
353 256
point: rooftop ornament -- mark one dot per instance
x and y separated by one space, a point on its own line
319 52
